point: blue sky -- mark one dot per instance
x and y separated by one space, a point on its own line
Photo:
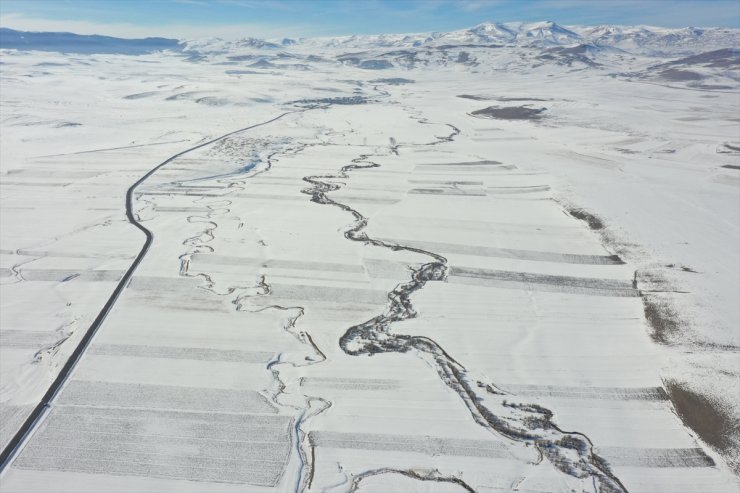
294 18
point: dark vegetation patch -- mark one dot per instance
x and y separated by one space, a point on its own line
140 95
730 166
504 98
342 100
473 97
394 81
510 113
664 322
465 58
712 87
593 222
704 414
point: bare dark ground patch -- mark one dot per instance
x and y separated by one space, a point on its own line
520 99
394 81
708 418
340 100
676 75
510 113
724 58
593 221
664 322
473 97
712 87
140 95
486 162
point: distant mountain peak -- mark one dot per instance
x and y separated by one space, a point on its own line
646 40
256 43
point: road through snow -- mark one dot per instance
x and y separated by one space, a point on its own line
11 448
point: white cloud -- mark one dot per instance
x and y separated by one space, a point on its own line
179 31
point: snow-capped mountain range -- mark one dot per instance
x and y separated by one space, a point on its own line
543 36
645 40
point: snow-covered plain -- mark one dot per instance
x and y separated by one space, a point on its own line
358 280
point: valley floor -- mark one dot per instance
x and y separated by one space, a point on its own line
378 293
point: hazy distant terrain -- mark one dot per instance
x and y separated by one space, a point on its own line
504 258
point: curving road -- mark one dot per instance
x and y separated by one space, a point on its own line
38 412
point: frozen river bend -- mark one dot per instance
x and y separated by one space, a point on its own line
353 283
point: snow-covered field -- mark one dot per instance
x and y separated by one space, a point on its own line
474 261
